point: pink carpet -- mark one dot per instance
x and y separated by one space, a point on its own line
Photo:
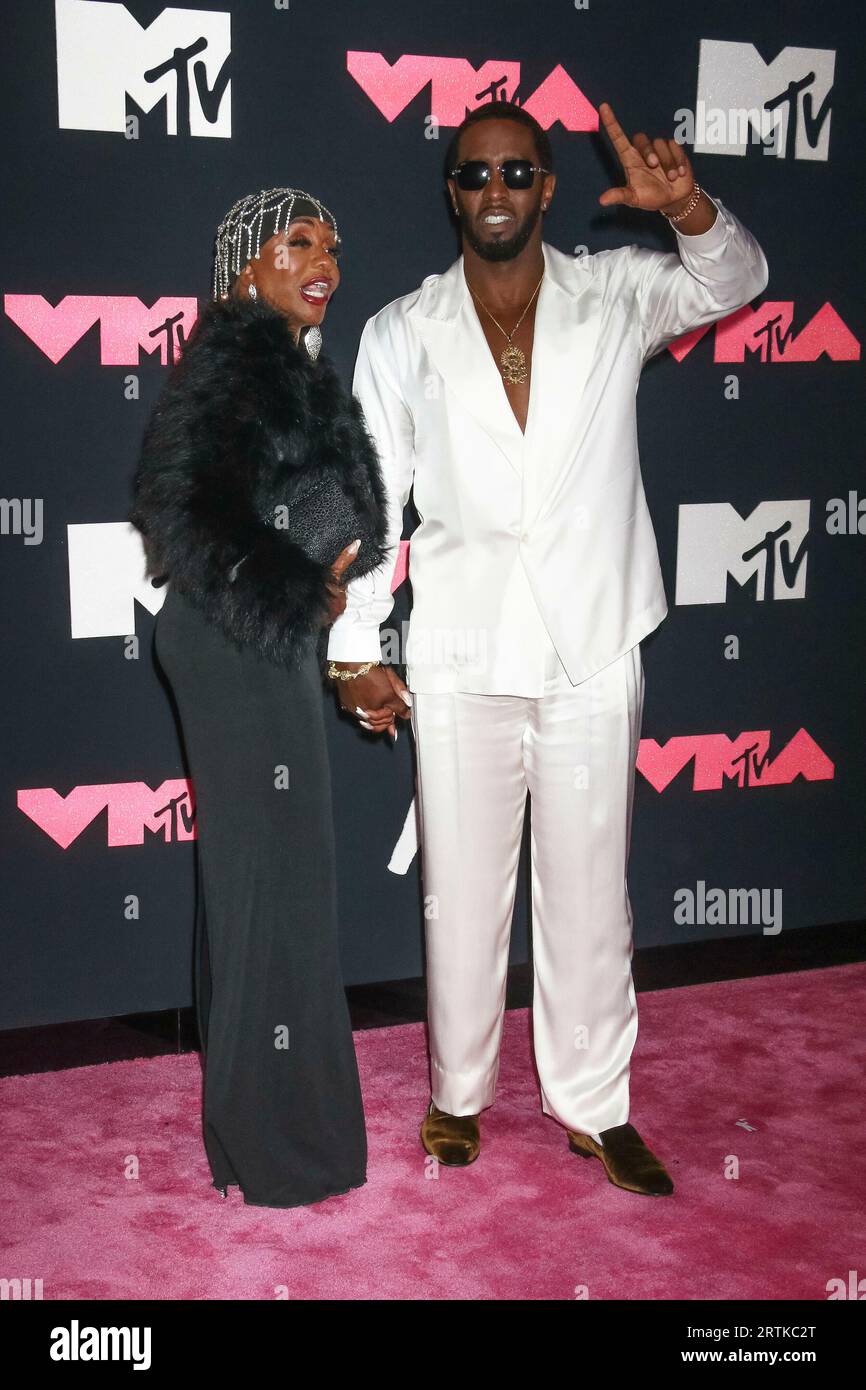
527 1221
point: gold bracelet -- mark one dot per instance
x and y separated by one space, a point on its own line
351 675
689 207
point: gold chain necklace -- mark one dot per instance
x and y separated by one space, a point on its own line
513 359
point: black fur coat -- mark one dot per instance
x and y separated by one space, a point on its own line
247 432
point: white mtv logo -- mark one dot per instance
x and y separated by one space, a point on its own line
181 59
106 573
769 546
793 92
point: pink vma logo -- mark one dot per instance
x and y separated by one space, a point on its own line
126 326
132 808
744 760
767 333
456 85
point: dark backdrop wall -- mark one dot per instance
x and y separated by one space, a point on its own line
125 143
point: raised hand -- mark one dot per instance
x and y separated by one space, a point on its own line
657 172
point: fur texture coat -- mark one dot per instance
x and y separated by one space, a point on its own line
249 431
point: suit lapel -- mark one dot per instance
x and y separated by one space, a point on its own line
566 334
567 322
455 342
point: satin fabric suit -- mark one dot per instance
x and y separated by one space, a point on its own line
535 575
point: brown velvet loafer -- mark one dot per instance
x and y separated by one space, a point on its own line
627 1160
452 1139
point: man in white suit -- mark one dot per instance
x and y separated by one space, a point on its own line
503 392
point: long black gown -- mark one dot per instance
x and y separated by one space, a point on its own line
282 1110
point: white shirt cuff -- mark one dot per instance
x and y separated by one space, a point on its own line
354 642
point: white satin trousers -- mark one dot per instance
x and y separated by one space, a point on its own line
574 751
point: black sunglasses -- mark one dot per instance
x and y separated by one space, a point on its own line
473 174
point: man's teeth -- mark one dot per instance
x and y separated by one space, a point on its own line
494 218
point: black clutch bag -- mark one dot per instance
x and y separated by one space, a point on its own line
322 520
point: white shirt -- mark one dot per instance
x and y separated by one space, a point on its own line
535 562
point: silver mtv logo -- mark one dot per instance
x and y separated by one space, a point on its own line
180 59
738 90
768 547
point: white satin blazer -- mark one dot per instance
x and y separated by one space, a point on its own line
537 539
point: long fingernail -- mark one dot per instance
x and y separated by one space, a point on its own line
358 710
365 726
406 696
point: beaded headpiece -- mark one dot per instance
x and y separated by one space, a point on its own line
251 222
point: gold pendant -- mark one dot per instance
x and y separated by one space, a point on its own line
513 365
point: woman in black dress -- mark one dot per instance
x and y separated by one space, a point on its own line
256 477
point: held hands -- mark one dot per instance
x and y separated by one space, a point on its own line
377 700
658 172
